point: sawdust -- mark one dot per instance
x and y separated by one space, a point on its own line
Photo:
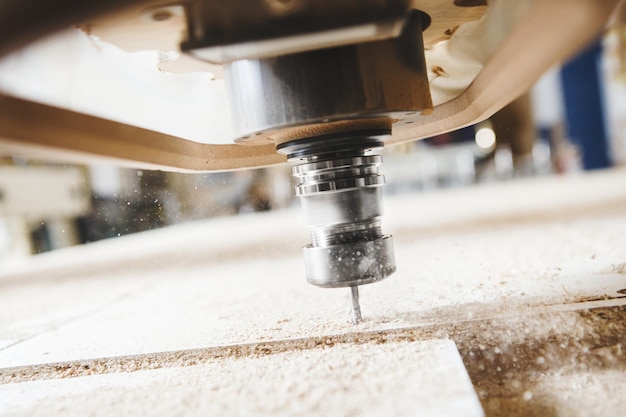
536 376
478 337
538 363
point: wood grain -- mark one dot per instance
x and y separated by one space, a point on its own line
73 137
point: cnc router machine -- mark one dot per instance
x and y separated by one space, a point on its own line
321 84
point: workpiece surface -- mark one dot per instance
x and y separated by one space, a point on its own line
526 278
371 380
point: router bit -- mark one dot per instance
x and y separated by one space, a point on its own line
354 304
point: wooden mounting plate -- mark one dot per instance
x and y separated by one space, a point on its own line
550 33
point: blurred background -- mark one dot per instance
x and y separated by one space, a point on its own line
573 119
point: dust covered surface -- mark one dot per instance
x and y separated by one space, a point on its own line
539 362
401 379
468 254
533 306
570 364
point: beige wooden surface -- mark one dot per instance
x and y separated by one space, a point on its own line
343 380
230 293
241 279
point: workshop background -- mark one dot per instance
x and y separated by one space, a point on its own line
573 119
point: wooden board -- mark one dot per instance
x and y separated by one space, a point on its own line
196 317
420 379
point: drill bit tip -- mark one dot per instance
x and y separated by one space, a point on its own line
354 304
